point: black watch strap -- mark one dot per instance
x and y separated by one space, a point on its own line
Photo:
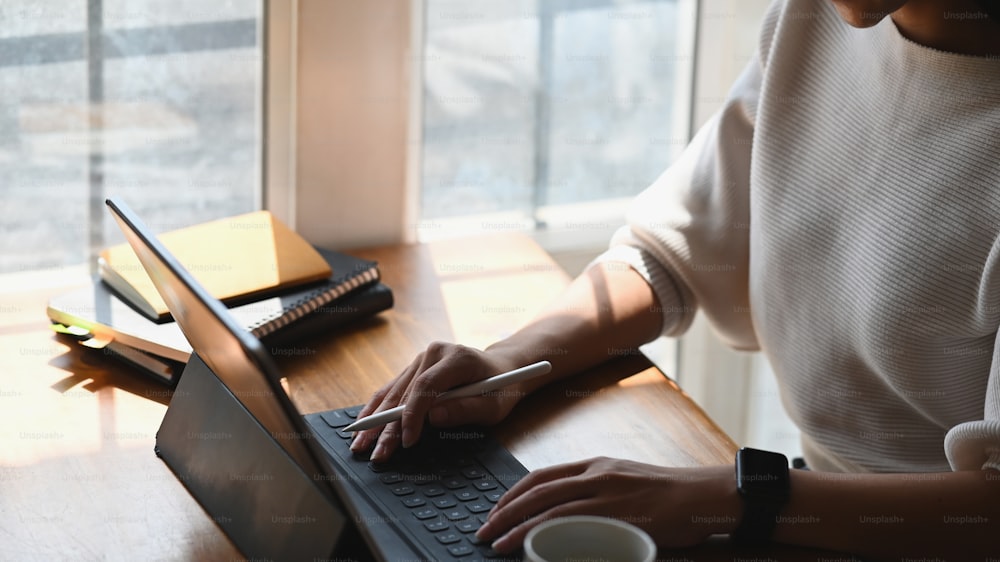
763 482
759 521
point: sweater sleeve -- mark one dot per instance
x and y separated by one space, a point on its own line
688 234
975 445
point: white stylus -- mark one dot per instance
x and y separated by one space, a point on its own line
474 389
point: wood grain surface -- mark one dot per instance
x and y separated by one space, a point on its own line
79 479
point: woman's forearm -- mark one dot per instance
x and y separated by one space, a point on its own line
610 306
606 312
951 516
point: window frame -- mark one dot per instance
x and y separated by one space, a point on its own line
280 36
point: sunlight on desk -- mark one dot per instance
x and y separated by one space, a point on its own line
599 408
489 297
78 476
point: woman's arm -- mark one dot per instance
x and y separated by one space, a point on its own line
927 516
607 308
950 516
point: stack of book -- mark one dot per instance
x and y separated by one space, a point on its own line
273 281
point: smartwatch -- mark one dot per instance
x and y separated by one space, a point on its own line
764 485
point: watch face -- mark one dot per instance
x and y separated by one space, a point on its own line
761 473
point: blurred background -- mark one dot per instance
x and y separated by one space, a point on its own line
363 122
159 102
525 105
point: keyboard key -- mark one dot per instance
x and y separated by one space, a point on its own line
425 513
443 472
422 479
408 468
485 485
454 483
353 411
402 490
479 506
449 537
468 526
437 525
428 459
336 418
390 477
460 550
473 473
456 514
488 552
466 495
494 496
414 501
345 434
444 502
433 491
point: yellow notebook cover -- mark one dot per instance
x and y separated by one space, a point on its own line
235 258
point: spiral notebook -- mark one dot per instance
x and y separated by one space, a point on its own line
99 318
349 274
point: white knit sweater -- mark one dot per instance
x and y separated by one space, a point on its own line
841 213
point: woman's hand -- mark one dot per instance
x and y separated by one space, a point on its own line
441 367
678 507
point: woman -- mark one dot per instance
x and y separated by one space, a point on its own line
841 213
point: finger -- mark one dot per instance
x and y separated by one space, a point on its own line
410 425
450 371
377 397
364 439
394 395
462 411
385 398
536 478
514 538
388 442
540 499
422 384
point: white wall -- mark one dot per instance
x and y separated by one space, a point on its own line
340 135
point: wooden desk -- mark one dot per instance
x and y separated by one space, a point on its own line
78 477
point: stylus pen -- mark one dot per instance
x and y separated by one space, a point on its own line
474 389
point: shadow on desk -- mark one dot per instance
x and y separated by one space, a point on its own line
77 468
593 414
720 549
90 370
116 499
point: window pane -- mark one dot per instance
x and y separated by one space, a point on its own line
548 102
612 100
164 112
20 18
480 79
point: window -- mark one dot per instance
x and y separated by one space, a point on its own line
157 101
535 105
549 115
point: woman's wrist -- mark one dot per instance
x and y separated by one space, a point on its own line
727 501
510 356
504 358
713 503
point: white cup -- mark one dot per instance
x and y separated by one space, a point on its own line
587 538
